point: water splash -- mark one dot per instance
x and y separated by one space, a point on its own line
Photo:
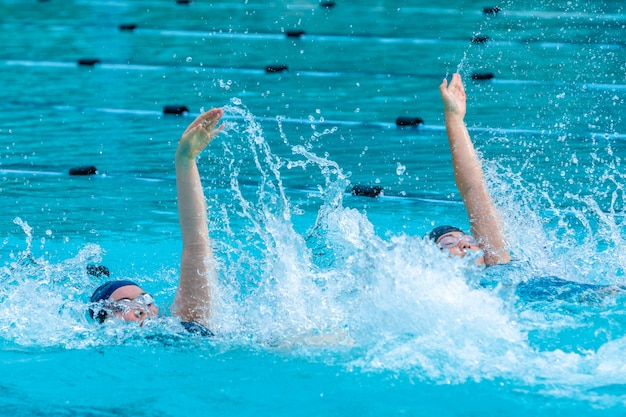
339 291
42 301
400 301
400 304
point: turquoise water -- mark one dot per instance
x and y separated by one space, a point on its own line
329 303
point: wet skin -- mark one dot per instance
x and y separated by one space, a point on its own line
139 312
462 246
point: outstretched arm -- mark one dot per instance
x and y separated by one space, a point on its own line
468 173
197 266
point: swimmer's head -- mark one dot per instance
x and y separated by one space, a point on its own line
455 241
123 300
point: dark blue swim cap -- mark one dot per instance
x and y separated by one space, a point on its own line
439 231
103 292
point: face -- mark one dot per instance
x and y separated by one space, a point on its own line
458 244
134 304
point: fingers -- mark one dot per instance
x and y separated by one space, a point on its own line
204 130
212 116
206 120
456 82
209 120
443 85
453 95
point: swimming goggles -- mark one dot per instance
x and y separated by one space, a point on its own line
141 304
451 241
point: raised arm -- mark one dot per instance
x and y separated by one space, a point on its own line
468 173
197 266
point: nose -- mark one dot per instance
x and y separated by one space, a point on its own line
464 245
141 313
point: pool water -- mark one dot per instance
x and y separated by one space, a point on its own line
328 303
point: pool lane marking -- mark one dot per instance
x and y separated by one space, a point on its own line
397 196
251 185
349 38
325 122
331 122
260 71
594 86
32 172
315 5
360 38
215 70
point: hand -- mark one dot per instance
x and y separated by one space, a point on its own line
453 96
199 134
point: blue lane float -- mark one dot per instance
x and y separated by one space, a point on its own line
276 68
482 76
493 10
409 121
175 109
128 27
363 190
294 33
88 62
84 170
480 39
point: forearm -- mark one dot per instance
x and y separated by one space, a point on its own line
467 168
192 210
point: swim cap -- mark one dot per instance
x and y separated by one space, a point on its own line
103 292
439 231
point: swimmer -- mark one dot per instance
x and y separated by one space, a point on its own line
125 300
486 230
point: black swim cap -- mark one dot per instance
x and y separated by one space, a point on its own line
439 231
103 292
